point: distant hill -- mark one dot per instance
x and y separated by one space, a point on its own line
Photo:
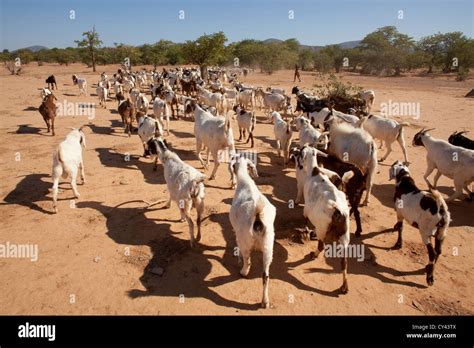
346 44
35 48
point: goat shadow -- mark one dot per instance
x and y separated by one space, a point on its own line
111 158
130 226
28 129
24 195
31 108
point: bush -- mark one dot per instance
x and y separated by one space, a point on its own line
12 67
462 75
337 89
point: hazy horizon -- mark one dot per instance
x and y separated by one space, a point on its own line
315 23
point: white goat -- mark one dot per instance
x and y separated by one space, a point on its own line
325 114
283 134
327 209
387 131
134 93
252 217
213 132
142 103
162 112
81 83
102 93
66 161
356 146
246 98
45 92
455 162
216 100
307 133
185 185
272 101
368 98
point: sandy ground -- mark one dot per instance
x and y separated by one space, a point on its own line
97 257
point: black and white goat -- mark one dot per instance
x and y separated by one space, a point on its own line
425 210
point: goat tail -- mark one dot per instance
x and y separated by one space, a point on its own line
258 225
253 122
197 188
400 129
445 216
227 125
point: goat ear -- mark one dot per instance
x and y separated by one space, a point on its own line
391 173
322 154
251 167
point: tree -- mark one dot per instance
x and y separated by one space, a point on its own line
433 48
205 51
91 43
305 59
322 62
336 54
386 50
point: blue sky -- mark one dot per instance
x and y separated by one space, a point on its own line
46 22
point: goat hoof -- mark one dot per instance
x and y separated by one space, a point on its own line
398 245
430 280
266 305
244 273
344 289
358 233
182 220
313 255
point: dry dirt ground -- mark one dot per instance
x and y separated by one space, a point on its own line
96 258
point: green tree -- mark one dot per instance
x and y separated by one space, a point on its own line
386 50
205 51
305 59
432 46
336 54
90 43
323 62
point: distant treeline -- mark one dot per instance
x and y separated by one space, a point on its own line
382 52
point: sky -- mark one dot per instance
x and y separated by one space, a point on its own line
48 23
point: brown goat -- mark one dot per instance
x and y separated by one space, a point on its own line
127 111
47 109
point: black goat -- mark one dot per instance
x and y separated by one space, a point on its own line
51 81
458 139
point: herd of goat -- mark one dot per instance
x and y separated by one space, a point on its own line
335 159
